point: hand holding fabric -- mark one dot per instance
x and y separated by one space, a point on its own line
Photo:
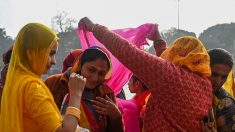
106 107
86 24
154 33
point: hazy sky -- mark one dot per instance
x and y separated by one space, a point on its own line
195 15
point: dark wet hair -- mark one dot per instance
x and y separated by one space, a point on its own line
94 53
220 56
135 78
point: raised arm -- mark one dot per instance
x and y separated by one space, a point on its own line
158 42
150 69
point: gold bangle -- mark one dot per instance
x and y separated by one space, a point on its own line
73 111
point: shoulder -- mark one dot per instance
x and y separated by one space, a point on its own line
54 79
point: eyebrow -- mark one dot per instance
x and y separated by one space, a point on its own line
98 69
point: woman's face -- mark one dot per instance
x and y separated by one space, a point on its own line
51 58
94 72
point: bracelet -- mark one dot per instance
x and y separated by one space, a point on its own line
73 111
92 29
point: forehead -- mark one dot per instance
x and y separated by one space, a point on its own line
99 64
220 69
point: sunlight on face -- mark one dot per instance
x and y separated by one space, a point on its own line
51 58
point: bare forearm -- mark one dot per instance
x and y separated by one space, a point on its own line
160 46
70 122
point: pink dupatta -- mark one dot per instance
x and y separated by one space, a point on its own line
120 74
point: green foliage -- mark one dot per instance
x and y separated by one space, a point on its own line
220 36
171 35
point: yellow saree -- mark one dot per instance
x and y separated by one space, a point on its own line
27 104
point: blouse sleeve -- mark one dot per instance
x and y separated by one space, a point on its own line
40 108
151 69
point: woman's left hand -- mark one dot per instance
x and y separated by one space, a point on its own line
86 24
106 107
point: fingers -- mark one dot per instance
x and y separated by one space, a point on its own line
102 100
107 97
102 105
73 75
211 113
98 103
101 110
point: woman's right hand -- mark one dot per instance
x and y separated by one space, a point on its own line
76 84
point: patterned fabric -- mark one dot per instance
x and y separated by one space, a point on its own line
189 51
224 110
175 91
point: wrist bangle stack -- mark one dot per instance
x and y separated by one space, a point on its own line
73 111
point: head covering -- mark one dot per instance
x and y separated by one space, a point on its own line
28 62
77 62
70 58
189 52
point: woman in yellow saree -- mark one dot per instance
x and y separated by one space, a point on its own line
27 104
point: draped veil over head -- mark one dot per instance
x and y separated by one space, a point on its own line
189 52
28 62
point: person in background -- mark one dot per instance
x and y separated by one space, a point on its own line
222 116
6 59
70 58
141 92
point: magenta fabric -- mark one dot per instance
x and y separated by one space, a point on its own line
130 115
120 74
